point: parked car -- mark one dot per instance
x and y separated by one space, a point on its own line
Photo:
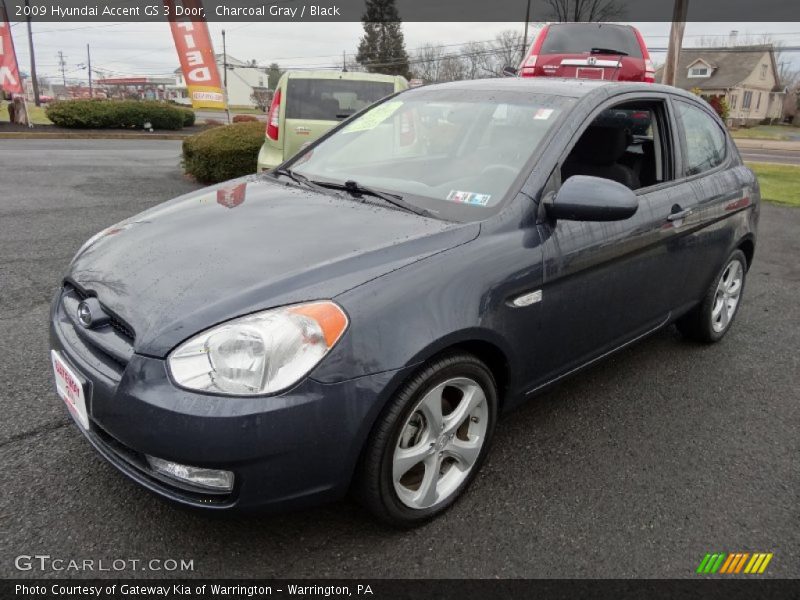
360 316
306 104
589 51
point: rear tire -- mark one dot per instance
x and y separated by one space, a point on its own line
709 321
430 441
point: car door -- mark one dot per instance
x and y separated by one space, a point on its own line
720 188
607 283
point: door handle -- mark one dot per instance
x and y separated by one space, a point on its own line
676 216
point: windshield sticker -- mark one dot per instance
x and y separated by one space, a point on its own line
469 198
543 114
375 117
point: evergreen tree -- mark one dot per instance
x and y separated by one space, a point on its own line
382 48
274 73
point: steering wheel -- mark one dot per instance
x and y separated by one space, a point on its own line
501 170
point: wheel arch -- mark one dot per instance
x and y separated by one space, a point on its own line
485 345
748 246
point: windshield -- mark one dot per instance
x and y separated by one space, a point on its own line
454 153
579 38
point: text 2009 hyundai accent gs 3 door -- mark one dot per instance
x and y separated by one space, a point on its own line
358 318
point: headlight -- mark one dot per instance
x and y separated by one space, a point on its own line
261 353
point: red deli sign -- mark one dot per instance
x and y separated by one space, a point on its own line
196 55
9 71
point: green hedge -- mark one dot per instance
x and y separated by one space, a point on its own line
115 114
223 153
188 117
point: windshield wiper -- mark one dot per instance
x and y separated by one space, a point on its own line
298 178
608 51
356 189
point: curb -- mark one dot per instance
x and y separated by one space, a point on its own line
26 135
755 144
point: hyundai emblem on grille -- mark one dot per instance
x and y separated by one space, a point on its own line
84 314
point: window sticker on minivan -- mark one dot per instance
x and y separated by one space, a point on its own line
375 117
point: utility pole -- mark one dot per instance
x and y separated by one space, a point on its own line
89 63
344 62
62 64
225 76
34 79
525 35
675 40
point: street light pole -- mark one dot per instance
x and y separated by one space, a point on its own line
525 35
225 76
89 64
34 79
62 64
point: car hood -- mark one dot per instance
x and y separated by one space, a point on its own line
243 246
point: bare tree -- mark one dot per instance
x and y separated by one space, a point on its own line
261 97
427 62
506 47
585 10
479 60
452 68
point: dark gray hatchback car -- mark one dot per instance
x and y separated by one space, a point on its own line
358 318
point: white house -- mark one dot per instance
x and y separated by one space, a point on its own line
241 81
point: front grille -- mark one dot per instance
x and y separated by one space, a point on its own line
111 342
122 329
118 324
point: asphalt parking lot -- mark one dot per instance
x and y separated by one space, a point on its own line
635 468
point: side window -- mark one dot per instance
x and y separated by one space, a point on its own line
705 141
628 143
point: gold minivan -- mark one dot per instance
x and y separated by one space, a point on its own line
307 104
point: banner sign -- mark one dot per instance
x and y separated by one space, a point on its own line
9 71
196 54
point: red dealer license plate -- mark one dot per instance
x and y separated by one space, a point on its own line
590 73
70 388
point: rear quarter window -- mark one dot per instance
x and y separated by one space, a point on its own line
331 99
580 38
705 140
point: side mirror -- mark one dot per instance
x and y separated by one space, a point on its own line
585 198
509 71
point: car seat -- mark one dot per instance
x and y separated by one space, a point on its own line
598 153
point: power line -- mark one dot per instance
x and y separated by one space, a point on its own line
81 28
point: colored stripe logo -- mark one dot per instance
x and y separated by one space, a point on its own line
735 563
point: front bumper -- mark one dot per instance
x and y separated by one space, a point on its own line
297 448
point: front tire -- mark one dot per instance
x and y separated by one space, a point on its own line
429 442
712 318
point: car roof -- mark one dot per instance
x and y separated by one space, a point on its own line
556 86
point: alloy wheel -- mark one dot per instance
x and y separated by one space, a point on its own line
440 443
726 298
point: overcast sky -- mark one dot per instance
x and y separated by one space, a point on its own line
125 49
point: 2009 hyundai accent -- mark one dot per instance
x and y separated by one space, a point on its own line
358 317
